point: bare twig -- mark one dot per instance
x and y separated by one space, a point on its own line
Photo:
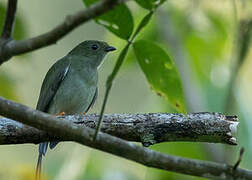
150 128
9 19
109 86
13 48
239 159
241 45
117 146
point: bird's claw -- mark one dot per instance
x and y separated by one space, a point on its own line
61 114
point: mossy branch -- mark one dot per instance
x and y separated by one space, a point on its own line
111 144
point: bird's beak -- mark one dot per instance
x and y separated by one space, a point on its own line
110 48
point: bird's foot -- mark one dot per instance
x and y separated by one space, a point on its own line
61 113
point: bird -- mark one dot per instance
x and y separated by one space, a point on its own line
70 85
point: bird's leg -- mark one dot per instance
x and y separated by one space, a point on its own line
61 113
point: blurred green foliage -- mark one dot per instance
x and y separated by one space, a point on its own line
7 83
7 86
207 35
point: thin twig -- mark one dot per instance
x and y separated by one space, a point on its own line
117 146
109 85
9 19
240 50
239 159
117 67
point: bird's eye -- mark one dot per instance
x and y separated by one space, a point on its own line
94 47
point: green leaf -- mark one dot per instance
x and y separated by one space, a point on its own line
119 20
149 4
161 73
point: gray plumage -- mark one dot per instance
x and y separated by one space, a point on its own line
70 85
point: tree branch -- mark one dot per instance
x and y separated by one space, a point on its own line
117 146
13 48
148 128
9 19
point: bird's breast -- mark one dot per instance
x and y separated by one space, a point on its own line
75 93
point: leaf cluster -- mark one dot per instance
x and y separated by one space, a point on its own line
159 68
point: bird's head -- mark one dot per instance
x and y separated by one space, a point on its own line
93 50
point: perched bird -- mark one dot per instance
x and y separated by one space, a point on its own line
70 86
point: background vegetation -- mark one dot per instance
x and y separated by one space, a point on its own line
209 43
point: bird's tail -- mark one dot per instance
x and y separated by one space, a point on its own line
42 151
38 169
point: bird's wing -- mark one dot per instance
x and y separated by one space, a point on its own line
51 83
93 100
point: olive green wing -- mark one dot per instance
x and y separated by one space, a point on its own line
93 100
52 82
